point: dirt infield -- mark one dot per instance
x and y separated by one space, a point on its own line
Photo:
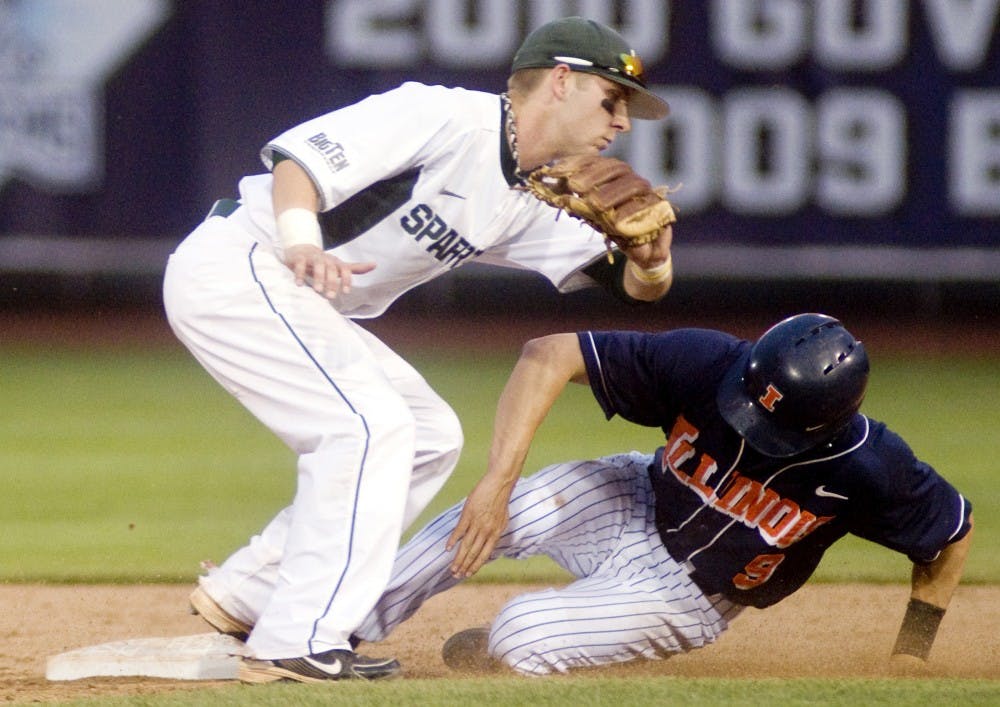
822 631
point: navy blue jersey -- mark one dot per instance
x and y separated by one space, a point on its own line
752 527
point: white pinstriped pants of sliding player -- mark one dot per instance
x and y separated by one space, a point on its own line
596 520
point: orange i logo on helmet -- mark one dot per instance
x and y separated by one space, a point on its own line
771 396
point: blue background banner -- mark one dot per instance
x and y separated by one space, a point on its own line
849 123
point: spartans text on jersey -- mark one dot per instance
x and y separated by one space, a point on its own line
443 242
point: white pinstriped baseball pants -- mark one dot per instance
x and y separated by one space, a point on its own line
596 520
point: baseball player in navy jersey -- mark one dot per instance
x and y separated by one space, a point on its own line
357 207
765 463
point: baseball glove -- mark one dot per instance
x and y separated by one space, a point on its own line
607 194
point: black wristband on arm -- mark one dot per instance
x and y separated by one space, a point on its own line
920 626
611 276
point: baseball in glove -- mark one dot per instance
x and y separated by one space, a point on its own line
607 194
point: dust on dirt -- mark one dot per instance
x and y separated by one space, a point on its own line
821 631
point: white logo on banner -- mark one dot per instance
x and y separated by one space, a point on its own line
54 58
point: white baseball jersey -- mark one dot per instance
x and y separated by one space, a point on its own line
418 180
423 195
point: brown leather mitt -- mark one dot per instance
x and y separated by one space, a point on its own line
607 194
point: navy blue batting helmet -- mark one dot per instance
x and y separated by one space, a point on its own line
799 385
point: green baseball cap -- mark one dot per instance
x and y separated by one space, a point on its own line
590 47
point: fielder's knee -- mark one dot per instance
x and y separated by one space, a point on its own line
439 448
453 440
449 430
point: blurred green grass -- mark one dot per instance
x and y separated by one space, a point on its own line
132 466
587 690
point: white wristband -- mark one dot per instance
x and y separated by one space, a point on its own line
653 276
298 226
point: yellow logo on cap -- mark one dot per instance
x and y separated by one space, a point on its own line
631 65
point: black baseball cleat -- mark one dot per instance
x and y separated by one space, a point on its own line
336 664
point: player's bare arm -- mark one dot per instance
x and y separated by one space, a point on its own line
295 206
544 368
932 585
935 582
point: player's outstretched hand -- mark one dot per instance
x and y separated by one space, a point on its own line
327 274
484 518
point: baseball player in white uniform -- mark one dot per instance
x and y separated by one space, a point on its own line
359 206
